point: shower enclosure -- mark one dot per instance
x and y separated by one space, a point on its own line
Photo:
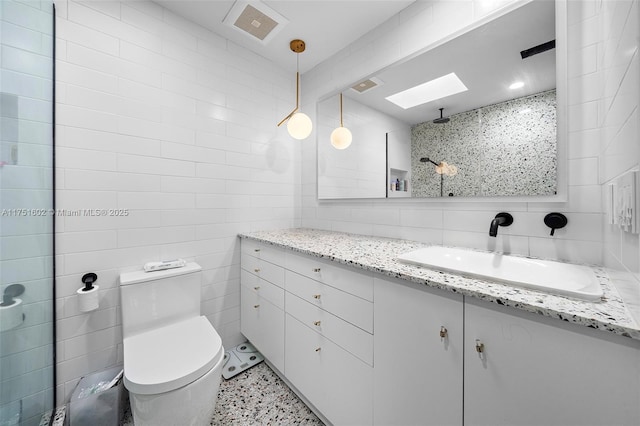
27 343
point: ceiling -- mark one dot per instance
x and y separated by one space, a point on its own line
326 26
486 59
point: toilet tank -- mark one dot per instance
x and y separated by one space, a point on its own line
152 300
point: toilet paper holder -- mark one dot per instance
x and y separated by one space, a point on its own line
11 292
88 295
88 280
9 298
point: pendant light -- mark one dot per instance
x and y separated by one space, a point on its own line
299 125
341 136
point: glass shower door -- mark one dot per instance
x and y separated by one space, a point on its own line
26 220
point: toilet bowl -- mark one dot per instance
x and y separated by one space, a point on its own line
173 356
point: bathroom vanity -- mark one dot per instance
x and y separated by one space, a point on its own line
365 339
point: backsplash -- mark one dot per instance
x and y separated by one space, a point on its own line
499 150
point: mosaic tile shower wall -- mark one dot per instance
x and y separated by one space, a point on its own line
499 150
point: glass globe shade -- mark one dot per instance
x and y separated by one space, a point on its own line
299 126
341 138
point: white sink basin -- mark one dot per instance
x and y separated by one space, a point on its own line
552 277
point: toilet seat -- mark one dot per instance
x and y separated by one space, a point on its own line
170 357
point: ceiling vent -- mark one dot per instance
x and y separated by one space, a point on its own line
256 20
367 85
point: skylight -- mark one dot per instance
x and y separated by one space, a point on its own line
438 88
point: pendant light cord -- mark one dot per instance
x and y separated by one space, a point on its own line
341 125
297 80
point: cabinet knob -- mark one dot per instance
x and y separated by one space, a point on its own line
316 296
316 269
256 306
256 270
479 347
256 288
316 323
318 349
443 332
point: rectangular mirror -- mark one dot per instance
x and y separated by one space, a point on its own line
462 130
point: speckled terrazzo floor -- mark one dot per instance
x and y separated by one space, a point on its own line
256 397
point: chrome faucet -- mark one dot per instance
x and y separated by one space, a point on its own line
501 219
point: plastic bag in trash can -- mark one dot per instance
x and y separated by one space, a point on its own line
97 399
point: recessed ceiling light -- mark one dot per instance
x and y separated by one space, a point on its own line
438 88
516 85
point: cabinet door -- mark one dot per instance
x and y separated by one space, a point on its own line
417 374
334 381
536 370
263 324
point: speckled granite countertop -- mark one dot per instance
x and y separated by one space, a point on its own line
379 254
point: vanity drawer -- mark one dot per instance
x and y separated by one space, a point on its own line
263 324
263 251
350 308
263 269
338 384
358 283
355 340
263 288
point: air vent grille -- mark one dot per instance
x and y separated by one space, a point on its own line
255 22
366 85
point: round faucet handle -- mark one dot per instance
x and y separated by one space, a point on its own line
555 221
507 219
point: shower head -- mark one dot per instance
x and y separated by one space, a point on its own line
428 160
442 119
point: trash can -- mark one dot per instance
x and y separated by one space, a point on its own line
98 399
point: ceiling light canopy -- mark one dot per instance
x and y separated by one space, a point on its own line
438 88
299 125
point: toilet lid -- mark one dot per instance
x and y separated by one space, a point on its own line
170 357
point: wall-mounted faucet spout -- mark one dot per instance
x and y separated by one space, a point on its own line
501 219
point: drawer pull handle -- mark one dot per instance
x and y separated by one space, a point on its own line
443 332
316 323
480 348
318 349
256 270
256 288
256 250
316 296
316 269
256 306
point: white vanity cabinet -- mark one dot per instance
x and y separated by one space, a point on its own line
367 349
262 299
418 355
316 318
535 370
329 337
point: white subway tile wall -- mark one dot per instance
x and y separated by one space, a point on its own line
617 77
176 127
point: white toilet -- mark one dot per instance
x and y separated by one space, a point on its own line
172 355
